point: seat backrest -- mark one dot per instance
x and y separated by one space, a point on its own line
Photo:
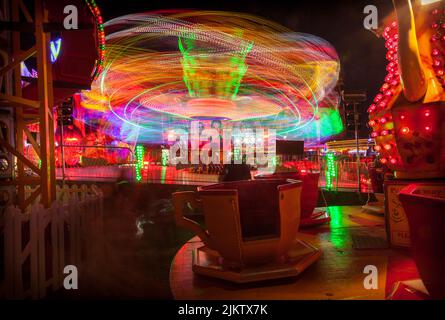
258 207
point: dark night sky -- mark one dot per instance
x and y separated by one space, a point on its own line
340 22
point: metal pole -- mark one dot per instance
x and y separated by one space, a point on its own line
16 37
357 146
62 151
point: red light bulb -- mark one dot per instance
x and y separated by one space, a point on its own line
404 130
383 160
377 148
393 161
378 97
383 120
387 146
427 113
428 128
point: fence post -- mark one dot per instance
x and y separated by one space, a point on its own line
60 214
82 211
56 274
42 218
9 246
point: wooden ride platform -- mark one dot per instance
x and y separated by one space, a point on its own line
352 240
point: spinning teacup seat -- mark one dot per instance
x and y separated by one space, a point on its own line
249 223
309 195
426 218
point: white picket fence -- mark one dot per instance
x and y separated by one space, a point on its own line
39 243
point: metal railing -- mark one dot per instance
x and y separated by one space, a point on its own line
346 174
83 162
98 163
345 171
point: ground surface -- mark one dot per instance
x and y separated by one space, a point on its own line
352 240
134 256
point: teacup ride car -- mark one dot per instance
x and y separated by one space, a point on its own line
310 216
251 230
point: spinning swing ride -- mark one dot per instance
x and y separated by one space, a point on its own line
163 70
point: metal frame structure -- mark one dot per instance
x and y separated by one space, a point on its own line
355 99
45 183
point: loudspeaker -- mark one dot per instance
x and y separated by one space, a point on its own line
289 147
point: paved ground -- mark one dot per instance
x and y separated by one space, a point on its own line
132 262
352 241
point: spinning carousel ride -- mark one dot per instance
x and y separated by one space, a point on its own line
163 70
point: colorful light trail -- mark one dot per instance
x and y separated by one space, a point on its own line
164 69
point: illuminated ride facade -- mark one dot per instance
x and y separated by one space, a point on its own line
407 118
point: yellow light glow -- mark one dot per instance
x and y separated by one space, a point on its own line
426 2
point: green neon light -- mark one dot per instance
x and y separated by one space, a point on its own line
331 170
164 157
206 73
237 154
140 151
339 238
163 174
327 123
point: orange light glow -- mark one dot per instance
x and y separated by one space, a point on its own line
404 130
